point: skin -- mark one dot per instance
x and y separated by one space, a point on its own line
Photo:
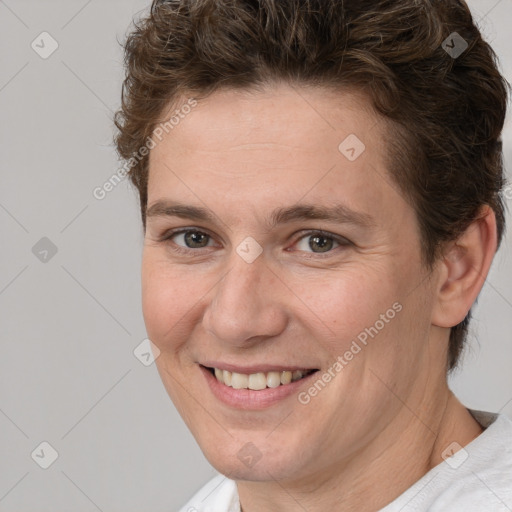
386 418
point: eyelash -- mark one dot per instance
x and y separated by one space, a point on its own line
343 242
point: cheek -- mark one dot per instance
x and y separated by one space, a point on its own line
168 299
344 304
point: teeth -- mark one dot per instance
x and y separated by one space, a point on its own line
219 374
257 381
260 380
286 377
296 375
273 379
239 381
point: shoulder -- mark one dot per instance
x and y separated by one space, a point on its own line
477 477
482 478
218 495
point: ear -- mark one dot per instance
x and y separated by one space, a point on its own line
463 269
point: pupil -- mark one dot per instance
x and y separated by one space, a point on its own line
324 243
194 237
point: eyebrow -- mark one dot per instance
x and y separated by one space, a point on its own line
338 213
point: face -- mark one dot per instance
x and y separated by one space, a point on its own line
276 243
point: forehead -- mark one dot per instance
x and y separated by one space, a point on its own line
282 128
280 114
274 148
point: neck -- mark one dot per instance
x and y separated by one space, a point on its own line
403 452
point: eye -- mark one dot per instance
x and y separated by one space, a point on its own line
320 242
188 239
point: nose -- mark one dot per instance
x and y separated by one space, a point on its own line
247 305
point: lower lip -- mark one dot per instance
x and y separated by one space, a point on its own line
250 399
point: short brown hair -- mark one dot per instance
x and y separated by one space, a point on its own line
447 111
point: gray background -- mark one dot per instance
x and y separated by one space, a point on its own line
69 325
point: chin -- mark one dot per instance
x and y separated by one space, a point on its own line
253 461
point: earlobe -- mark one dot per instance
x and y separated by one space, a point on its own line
463 269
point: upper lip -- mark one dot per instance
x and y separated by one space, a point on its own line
257 368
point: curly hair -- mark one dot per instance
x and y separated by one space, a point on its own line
446 110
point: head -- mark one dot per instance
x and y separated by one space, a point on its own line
262 115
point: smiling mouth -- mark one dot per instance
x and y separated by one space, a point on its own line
260 380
